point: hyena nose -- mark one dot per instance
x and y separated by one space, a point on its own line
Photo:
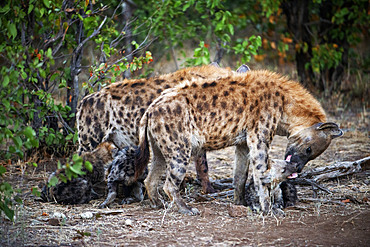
295 166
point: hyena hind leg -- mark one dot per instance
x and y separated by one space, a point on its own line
112 194
157 169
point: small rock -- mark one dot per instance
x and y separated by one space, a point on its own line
58 215
238 211
87 215
128 222
207 212
35 222
55 221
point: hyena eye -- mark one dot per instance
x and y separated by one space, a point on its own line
308 150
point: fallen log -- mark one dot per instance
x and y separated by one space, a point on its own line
306 181
338 169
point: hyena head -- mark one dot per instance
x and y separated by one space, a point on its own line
104 152
309 143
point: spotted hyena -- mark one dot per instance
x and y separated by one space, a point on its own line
113 114
122 170
82 189
245 110
280 172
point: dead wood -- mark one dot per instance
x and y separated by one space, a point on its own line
321 200
338 169
306 181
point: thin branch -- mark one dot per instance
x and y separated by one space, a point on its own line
96 31
115 10
141 47
65 125
321 201
305 181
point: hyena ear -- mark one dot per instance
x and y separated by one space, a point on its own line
331 129
215 64
243 69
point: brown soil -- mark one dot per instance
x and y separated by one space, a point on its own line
338 219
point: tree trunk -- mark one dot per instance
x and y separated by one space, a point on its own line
331 78
127 8
73 87
297 15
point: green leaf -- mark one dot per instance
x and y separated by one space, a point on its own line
42 73
35 191
30 8
63 178
12 30
6 81
6 8
75 137
76 158
6 103
69 137
34 143
29 132
231 29
53 181
88 166
52 78
17 142
8 212
49 53
47 3
2 170
24 75
77 169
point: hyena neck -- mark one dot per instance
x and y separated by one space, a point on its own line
300 112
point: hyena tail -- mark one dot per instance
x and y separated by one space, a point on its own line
143 154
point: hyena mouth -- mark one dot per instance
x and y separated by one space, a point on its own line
288 158
293 175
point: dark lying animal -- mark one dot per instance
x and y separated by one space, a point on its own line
122 171
82 189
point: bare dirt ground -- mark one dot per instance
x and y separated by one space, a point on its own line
338 219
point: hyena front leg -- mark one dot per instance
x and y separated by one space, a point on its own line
259 163
240 173
153 179
201 166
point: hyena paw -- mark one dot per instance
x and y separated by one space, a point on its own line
156 204
189 211
278 212
129 200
